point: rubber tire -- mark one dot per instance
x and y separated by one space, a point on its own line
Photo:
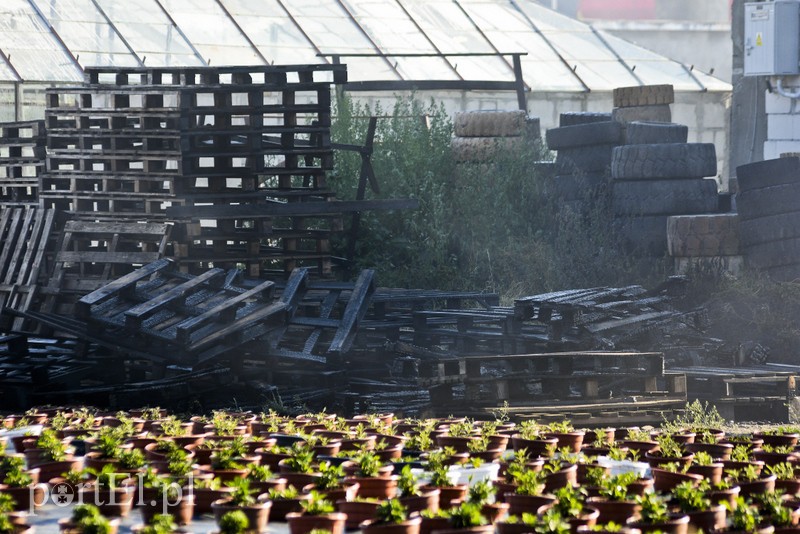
703 235
643 95
573 118
776 200
664 197
768 173
593 133
678 160
651 133
587 159
643 236
489 123
769 228
773 254
479 149
660 113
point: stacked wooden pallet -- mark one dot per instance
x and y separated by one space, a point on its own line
22 153
131 143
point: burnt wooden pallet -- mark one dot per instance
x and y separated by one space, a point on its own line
707 383
196 319
218 75
22 159
25 234
91 254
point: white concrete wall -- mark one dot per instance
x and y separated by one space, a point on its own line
783 120
706 114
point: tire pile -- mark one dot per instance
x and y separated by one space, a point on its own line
656 173
480 134
584 142
769 208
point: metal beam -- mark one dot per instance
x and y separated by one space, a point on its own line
302 31
616 55
180 32
482 34
55 34
7 60
552 47
366 35
119 34
418 27
241 31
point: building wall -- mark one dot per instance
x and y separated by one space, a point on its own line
783 120
706 114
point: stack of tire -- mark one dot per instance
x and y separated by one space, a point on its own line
480 134
656 173
584 142
769 210
705 243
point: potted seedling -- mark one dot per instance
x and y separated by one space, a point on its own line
110 492
440 479
206 490
20 485
654 516
262 479
744 517
570 506
243 498
529 495
669 451
170 500
391 517
413 497
87 519
299 469
318 513
707 467
565 433
693 500
614 502
234 522
286 501
158 524
786 477
467 517
752 481
483 493
531 437
669 475
459 435
331 483
374 479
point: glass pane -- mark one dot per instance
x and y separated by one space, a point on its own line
509 31
452 32
34 51
225 45
394 32
270 28
332 31
150 33
6 74
86 33
7 102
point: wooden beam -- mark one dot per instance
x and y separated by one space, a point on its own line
274 209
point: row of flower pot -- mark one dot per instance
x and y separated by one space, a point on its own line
376 468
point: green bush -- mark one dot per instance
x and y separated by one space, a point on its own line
490 226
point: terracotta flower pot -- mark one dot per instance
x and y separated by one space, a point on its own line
433 524
427 500
664 481
619 512
567 476
762 485
712 473
26 498
778 440
346 492
182 510
718 451
376 488
494 512
303 524
203 497
282 507
708 520
459 444
569 440
520 504
676 525
640 447
112 503
655 459
449 494
536 447
587 518
357 511
410 526
725 495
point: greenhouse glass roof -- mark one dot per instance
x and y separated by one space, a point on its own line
53 40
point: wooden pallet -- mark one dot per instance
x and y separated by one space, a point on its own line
91 254
187 320
284 74
25 234
22 160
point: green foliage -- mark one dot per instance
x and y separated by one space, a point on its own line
131 459
407 482
7 503
481 492
368 464
88 519
160 524
289 493
317 505
595 476
467 515
530 429
615 488
108 443
226 460
703 458
569 501
462 429
233 522
54 448
6 526
330 476
178 462
421 441
259 473
242 494
743 516
391 511
783 471
697 417
107 477
654 508
691 498
740 453
529 482
172 426
669 448
495 226
17 478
